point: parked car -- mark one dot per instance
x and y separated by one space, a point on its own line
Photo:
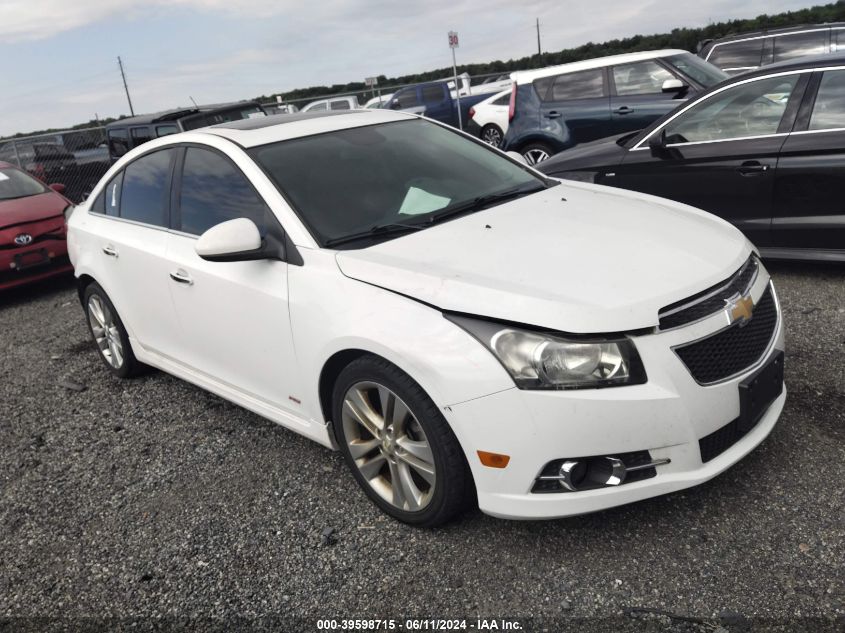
379 101
49 161
765 151
738 54
457 324
435 100
32 228
489 118
336 103
555 108
126 134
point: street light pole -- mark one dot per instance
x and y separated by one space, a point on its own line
125 87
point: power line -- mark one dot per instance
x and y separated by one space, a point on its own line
125 87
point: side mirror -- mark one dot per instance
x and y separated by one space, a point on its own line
233 241
657 145
58 188
675 86
517 157
394 105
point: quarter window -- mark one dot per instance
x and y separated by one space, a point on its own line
165 130
111 195
829 109
642 78
145 187
214 191
587 84
737 55
800 45
752 109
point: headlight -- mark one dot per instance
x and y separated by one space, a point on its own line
580 176
543 360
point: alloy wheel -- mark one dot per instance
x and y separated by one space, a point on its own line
105 331
388 446
534 156
492 136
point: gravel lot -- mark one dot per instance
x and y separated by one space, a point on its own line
153 499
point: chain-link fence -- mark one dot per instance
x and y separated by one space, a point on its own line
76 159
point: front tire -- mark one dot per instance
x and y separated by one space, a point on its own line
109 334
398 445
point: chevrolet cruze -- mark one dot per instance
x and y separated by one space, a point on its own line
463 328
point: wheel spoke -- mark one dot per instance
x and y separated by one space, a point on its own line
399 415
359 448
359 409
117 353
420 450
424 469
405 491
371 468
95 309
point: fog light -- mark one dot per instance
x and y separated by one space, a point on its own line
572 473
607 471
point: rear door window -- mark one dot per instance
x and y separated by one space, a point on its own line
737 55
432 94
118 142
165 130
640 78
797 45
829 108
214 190
341 105
587 84
140 135
146 189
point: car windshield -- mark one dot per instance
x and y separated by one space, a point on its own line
16 184
696 68
351 185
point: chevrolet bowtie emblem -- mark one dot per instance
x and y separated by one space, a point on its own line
739 309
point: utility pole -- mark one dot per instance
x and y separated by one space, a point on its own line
539 52
125 87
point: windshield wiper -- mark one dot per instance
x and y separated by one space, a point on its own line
375 231
481 202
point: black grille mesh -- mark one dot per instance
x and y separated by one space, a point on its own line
721 440
732 350
737 284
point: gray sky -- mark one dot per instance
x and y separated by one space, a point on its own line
60 55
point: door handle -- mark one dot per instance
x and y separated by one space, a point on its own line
180 276
752 168
110 250
553 115
623 110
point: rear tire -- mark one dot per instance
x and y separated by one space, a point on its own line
492 134
109 334
535 153
398 445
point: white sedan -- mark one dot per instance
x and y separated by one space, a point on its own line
491 117
461 327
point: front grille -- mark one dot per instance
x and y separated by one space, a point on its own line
711 300
734 349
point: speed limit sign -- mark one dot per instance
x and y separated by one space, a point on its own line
453 39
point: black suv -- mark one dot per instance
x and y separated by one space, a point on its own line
129 133
748 51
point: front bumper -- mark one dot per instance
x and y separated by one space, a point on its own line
667 417
56 263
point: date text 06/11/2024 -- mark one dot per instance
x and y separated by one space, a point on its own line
417 624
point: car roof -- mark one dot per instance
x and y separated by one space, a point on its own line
176 114
774 32
281 127
823 60
527 76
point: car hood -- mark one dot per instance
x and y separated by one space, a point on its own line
575 258
31 209
598 155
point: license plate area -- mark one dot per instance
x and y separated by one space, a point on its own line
758 391
31 259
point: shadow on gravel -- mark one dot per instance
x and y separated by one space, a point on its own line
35 291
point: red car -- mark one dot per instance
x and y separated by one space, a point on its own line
33 237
